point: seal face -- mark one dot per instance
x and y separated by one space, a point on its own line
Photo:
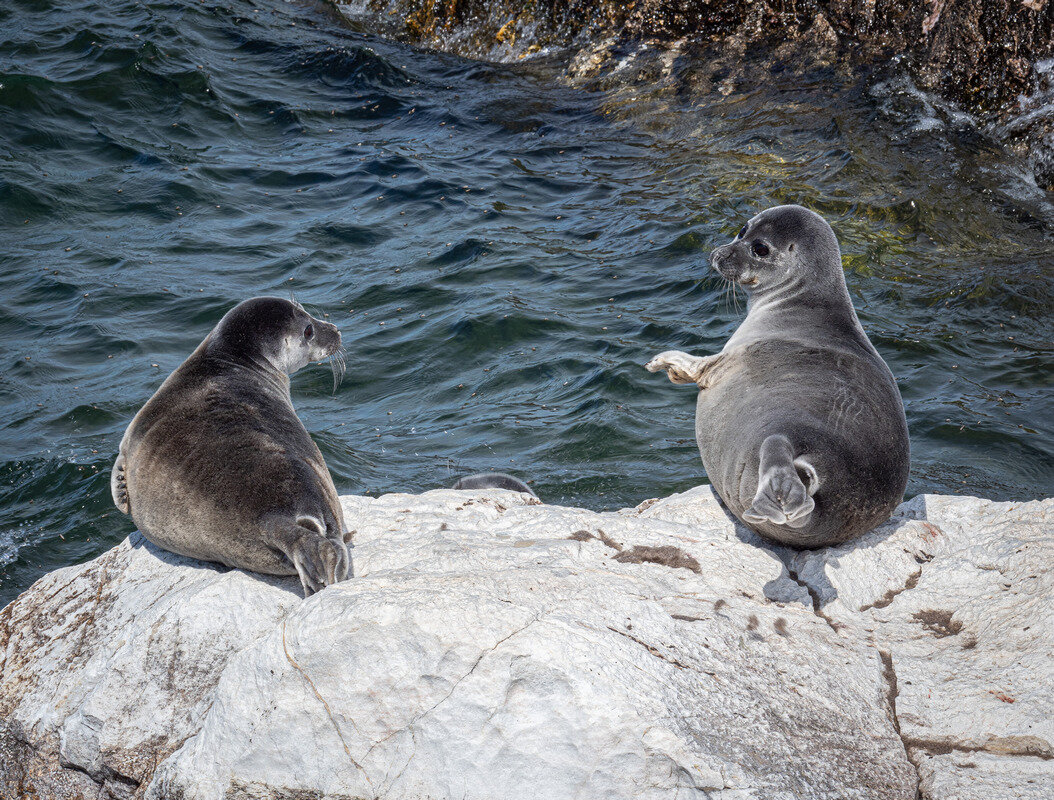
799 421
217 466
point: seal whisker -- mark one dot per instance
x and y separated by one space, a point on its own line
731 301
339 367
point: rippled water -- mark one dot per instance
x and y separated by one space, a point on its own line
502 254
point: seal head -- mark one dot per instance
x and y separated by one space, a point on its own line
781 250
274 334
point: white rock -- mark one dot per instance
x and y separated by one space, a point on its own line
109 666
493 647
957 593
966 775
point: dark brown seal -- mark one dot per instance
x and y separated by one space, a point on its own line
217 465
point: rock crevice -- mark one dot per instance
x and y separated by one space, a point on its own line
964 670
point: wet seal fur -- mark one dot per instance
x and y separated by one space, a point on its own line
799 421
217 466
493 480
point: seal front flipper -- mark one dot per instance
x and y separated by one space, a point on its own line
785 486
683 367
119 485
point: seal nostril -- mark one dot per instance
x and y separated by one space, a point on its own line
742 232
309 332
759 249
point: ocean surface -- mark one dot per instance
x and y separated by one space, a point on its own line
501 251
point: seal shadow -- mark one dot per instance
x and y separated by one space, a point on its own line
820 591
290 583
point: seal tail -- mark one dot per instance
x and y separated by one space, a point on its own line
785 486
493 480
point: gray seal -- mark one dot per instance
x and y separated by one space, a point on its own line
799 421
217 466
493 480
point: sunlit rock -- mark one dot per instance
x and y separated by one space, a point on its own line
956 593
493 647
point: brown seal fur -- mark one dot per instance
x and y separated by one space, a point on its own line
217 466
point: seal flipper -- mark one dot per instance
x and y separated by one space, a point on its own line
119 485
336 532
318 560
783 497
683 368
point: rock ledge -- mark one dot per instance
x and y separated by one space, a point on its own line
494 647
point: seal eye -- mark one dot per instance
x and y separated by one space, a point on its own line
742 232
309 332
759 249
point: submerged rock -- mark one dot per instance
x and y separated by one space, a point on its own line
494 647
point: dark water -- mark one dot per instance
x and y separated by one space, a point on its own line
502 254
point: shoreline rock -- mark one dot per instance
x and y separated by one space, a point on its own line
492 646
977 52
993 60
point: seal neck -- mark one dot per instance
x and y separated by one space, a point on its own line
799 310
250 365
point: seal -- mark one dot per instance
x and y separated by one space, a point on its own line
493 480
217 466
799 421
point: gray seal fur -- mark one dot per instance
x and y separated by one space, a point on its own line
493 480
799 421
217 466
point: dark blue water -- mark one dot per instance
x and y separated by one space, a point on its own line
502 253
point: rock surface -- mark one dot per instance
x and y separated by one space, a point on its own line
978 52
493 647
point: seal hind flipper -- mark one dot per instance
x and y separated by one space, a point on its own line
783 497
493 480
119 485
318 560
